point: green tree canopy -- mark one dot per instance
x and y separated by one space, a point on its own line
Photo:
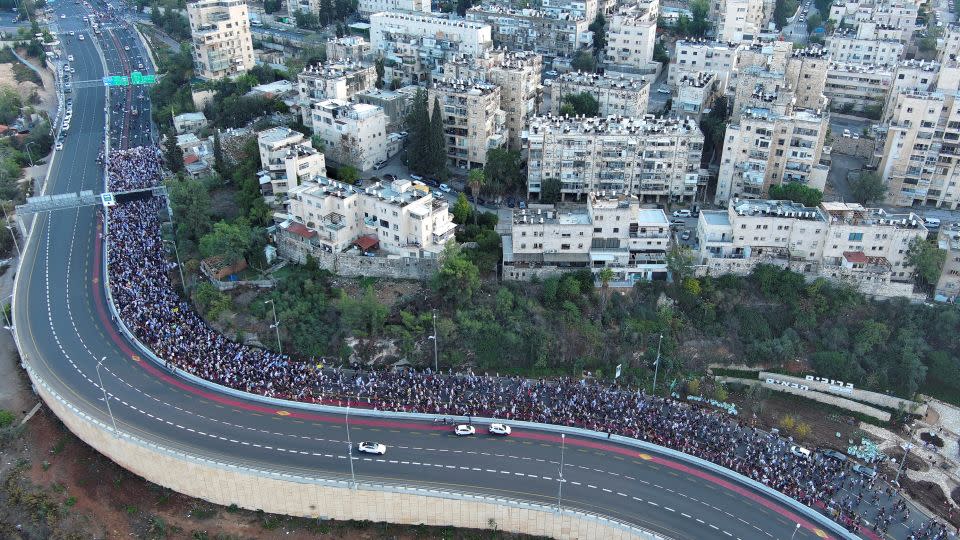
796 192
583 104
584 61
503 170
927 260
457 279
229 241
550 190
868 188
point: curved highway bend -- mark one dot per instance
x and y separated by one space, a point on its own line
60 316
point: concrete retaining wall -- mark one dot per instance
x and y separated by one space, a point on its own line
881 400
253 489
836 401
347 265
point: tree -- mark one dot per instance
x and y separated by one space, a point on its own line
550 190
699 23
380 71
155 17
461 209
457 279
502 170
191 209
9 105
229 241
463 6
868 187
438 142
793 191
348 174
584 61
814 21
365 316
583 104
219 164
418 124
927 260
606 274
714 128
477 181
599 29
660 53
307 20
174 153
680 263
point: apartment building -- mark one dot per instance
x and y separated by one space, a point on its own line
948 286
287 159
413 45
865 47
584 9
394 219
617 95
694 56
912 76
337 80
189 122
353 133
472 119
305 6
518 74
843 242
857 86
655 159
919 153
367 8
631 34
609 231
894 14
220 38
738 20
806 74
695 93
395 104
552 33
764 147
348 49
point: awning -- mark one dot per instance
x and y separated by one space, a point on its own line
367 242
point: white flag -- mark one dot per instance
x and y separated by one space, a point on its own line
619 368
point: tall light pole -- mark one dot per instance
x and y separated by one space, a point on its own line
563 440
656 364
795 529
13 236
906 453
353 477
106 399
27 148
276 323
436 361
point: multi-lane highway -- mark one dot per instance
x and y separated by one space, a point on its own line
64 329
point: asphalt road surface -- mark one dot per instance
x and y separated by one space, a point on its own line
64 328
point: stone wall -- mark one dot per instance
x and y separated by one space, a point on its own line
345 264
861 147
836 401
881 400
328 499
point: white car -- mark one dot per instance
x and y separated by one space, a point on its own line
662 90
62 16
682 213
416 177
72 33
65 126
59 146
80 37
800 451
464 430
444 188
126 48
70 58
372 448
499 429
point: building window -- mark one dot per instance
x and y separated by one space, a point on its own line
856 237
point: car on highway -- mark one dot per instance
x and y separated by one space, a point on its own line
464 430
682 213
70 58
445 188
59 146
833 454
799 451
80 37
372 448
62 16
499 429
863 470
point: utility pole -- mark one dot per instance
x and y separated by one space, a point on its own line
106 399
436 357
563 440
276 324
656 364
353 478
906 453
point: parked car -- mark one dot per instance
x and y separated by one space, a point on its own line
444 188
389 177
432 182
379 165
863 470
663 90
800 451
682 213
685 235
416 177
833 454
59 146
499 429
522 205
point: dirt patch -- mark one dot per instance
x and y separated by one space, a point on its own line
914 462
931 438
931 496
389 292
24 89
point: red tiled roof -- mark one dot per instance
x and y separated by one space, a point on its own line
190 158
855 257
366 242
300 229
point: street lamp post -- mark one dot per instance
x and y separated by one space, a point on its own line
795 529
656 365
13 236
276 323
436 361
106 399
29 156
906 453
353 478
563 440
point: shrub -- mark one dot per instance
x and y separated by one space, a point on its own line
6 418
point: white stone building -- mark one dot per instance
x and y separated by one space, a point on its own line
609 231
339 80
656 159
353 133
694 94
631 34
367 8
395 219
553 33
857 86
864 48
288 159
220 38
701 56
472 120
348 49
739 20
617 95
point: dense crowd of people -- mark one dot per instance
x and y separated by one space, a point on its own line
134 168
149 306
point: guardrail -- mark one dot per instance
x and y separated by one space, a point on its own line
813 515
343 483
